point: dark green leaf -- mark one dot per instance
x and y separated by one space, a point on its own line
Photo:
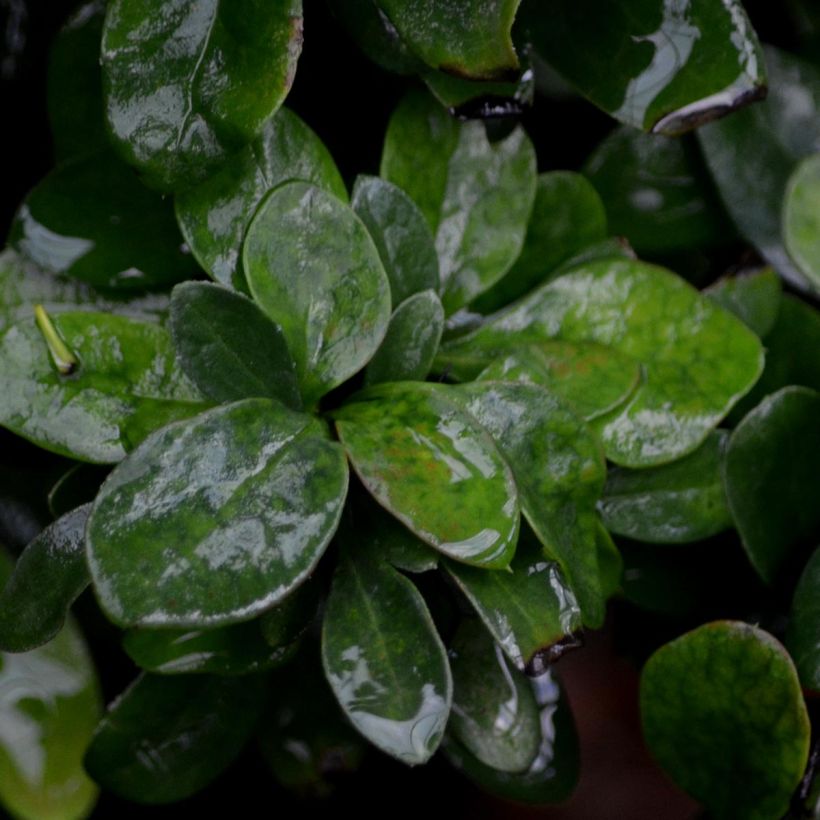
188 82
423 459
673 504
801 223
384 659
93 220
804 625
76 486
313 268
471 99
229 347
47 579
567 217
698 359
723 714
663 67
754 298
771 480
215 214
495 715
476 196
411 341
215 519
165 737
610 562
530 612
284 624
126 372
401 235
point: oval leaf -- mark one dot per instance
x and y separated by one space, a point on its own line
243 498
801 223
804 625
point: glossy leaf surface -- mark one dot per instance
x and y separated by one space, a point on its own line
229 348
214 215
92 219
663 67
698 360
723 713
434 468
495 715
476 196
243 498
801 223
313 268
530 612
803 636
126 375
754 298
673 504
384 659
49 575
165 737
401 235
411 342
771 477
224 69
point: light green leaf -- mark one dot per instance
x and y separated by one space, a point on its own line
801 223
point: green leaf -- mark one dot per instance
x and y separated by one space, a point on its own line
422 458
411 341
723 714
754 298
495 715
698 360
804 625
662 67
657 192
470 39
76 486
284 624
476 99
313 268
126 373
165 738
93 220
186 83
228 346
401 235
49 576
610 562
673 504
553 774
50 706
801 223
752 154
559 471
214 519
770 474
74 90
214 215
476 196
567 216
384 659
530 612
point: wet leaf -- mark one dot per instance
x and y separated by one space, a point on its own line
384 659
723 714
401 235
214 215
49 576
698 359
771 477
801 223
228 346
411 341
530 612
224 69
673 504
422 458
126 372
313 268
215 519
559 472
804 625
662 67
165 737
754 298
93 220
567 216
495 715
476 196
